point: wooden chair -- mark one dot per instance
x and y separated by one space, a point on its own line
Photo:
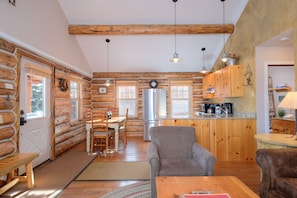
101 135
123 130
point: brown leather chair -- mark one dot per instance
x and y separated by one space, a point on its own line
101 136
279 172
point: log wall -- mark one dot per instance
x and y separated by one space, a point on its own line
69 133
65 134
8 94
135 125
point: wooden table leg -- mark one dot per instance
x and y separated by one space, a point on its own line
30 175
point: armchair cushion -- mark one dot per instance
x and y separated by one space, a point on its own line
181 167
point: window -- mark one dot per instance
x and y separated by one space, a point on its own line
36 90
74 100
127 97
180 98
35 96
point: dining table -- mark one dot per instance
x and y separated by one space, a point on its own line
114 122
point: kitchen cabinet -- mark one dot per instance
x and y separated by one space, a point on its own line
218 84
228 82
279 125
232 81
228 139
208 85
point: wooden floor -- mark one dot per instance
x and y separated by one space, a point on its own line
247 172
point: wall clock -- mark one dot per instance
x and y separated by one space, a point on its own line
102 90
153 84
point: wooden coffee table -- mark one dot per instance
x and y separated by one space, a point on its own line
176 186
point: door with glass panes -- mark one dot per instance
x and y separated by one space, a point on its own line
34 133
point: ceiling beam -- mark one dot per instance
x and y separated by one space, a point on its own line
150 29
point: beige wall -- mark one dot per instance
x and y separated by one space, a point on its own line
260 21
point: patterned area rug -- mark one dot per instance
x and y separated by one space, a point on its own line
137 190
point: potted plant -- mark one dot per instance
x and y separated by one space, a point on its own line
281 113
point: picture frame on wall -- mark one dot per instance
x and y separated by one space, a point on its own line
102 90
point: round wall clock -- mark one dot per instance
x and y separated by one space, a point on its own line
153 84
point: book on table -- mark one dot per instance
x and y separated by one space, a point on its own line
221 195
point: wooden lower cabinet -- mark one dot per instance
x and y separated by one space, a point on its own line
279 125
227 139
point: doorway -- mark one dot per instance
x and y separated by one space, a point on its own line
35 89
277 51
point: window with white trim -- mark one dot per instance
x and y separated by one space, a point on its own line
127 97
74 100
180 98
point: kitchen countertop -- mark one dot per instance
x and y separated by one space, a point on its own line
214 116
278 139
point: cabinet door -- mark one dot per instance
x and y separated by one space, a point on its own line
202 133
234 139
219 139
247 138
226 82
236 81
208 82
218 84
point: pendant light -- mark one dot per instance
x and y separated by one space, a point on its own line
175 57
224 55
107 82
204 70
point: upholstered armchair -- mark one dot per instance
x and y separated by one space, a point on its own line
173 151
279 172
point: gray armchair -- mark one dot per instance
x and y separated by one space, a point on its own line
173 151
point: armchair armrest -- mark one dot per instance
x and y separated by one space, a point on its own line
205 158
154 160
275 163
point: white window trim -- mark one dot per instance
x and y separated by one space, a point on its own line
190 100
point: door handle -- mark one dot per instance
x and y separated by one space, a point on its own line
22 119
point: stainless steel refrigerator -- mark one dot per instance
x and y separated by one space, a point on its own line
154 108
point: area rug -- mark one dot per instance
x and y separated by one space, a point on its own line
137 190
114 171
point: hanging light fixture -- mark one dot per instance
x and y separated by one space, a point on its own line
175 57
107 82
224 55
204 70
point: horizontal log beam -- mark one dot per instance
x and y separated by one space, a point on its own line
150 29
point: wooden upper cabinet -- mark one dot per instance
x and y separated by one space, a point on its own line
232 81
218 84
228 82
208 85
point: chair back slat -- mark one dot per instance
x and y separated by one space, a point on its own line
99 120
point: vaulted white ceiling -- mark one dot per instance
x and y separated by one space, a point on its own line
150 53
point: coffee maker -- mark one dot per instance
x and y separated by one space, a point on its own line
228 107
208 108
211 107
